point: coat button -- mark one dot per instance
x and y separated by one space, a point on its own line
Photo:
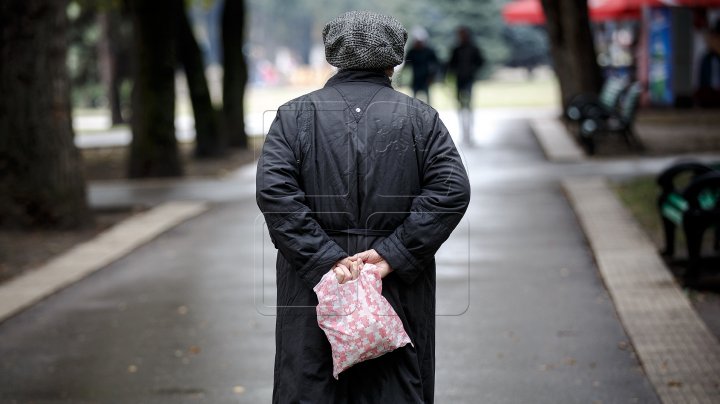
357 110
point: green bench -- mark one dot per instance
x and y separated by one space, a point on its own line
586 105
694 207
620 121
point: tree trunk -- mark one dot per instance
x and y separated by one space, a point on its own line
41 178
208 139
107 61
154 149
572 47
234 72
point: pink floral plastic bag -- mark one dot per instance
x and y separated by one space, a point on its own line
358 321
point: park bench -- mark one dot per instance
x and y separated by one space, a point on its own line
620 121
694 207
587 105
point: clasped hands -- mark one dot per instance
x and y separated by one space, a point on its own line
348 269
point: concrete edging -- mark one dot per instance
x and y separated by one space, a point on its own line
678 352
85 258
556 143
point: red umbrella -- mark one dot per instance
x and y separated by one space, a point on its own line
603 10
531 12
524 12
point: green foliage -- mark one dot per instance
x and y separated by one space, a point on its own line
276 23
297 25
527 45
97 5
83 34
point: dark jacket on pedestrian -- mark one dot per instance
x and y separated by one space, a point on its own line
353 166
465 61
424 63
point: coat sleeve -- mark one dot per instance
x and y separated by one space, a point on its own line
479 59
452 63
435 212
293 229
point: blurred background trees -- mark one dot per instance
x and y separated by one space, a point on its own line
235 74
154 151
209 139
127 59
572 47
527 47
278 24
41 181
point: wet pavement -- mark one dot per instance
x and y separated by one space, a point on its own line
523 314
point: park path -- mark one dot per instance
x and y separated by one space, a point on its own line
523 314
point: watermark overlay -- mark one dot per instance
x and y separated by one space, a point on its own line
382 146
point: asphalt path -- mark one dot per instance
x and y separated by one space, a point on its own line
523 316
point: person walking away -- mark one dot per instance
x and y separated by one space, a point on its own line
424 63
355 173
708 92
465 61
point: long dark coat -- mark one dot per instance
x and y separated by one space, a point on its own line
352 166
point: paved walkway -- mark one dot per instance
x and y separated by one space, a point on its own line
679 353
524 315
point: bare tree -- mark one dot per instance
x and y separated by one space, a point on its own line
235 72
209 141
41 180
108 60
154 149
572 47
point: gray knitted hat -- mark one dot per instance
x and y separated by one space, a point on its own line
364 40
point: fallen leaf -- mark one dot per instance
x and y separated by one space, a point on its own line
238 389
194 349
674 383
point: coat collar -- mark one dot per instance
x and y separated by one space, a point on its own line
368 76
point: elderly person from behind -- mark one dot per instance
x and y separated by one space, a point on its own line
358 172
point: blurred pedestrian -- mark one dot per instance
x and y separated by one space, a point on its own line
708 92
465 61
424 63
354 173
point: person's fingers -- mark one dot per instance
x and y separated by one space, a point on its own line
338 274
355 269
345 273
345 261
369 256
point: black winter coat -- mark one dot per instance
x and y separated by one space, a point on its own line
352 166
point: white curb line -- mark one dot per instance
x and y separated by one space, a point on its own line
679 353
25 290
555 141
